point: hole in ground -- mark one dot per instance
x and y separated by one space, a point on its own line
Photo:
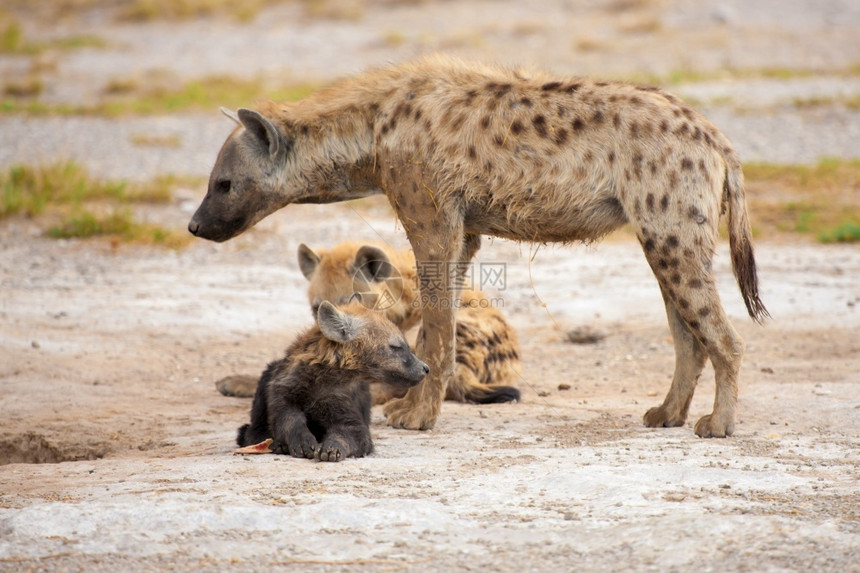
34 448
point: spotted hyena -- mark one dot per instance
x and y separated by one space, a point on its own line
487 363
463 150
315 402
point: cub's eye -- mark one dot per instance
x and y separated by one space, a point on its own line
398 346
222 186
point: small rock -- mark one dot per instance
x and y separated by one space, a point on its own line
767 370
35 344
564 386
585 335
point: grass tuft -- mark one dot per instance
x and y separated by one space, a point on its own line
119 225
845 233
135 97
66 193
818 201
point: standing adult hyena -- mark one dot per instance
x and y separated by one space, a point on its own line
315 401
487 362
462 150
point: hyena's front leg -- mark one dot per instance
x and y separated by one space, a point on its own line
291 436
435 257
343 441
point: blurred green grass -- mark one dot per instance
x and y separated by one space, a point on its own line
67 202
140 97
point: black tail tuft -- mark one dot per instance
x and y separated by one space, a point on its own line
493 395
740 242
240 437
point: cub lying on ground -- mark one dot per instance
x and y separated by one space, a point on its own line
315 401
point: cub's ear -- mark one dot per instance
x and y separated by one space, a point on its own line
308 261
263 129
336 325
231 114
373 263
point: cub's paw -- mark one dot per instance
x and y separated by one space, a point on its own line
238 386
331 451
712 427
410 415
302 445
659 417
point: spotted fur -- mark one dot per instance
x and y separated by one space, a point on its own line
463 150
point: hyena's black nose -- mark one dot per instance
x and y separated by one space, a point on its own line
425 368
193 227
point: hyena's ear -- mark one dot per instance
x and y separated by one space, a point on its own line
231 114
268 135
335 325
308 261
373 263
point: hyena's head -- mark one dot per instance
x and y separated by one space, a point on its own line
249 179
385 283
369 343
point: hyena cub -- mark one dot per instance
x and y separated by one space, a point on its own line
315 401
487 351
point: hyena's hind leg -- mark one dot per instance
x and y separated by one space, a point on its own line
690 357
238 385
686 280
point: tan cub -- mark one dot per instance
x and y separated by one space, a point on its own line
487 359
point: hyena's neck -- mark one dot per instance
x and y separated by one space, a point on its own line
333 137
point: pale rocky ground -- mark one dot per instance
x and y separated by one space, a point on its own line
108 354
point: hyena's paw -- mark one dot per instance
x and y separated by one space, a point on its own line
712 427
331 451
409 414
238 386
660 417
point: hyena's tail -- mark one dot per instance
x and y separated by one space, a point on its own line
740 240
465 387
493 394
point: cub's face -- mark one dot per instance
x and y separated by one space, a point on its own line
374 344
393 359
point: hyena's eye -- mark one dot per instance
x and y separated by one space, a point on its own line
396 346
222 186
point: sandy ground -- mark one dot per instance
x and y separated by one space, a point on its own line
108 357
